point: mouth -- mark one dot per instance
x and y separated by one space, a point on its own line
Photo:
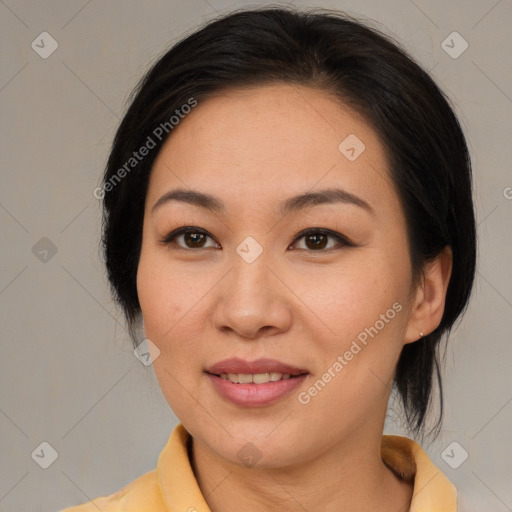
255 378
258 372
256 383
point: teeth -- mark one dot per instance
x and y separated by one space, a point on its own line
255 378
274 376
242 378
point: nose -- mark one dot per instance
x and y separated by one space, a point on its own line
252 301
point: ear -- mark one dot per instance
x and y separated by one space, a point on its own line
430 296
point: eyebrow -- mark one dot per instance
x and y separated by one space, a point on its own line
295 203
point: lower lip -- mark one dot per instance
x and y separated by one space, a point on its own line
255 394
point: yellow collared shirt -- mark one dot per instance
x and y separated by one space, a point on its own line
172 486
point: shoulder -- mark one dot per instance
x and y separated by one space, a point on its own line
159 490
140 494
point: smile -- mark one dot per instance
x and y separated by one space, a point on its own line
254 378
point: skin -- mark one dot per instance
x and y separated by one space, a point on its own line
252 148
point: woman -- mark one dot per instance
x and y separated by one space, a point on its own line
288 209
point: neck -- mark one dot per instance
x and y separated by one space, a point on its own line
346 477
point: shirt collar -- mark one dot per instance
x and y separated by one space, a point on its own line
432 489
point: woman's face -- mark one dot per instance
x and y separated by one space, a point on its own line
245 283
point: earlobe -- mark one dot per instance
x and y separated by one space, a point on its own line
429 303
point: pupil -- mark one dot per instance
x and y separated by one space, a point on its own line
317 243
194 238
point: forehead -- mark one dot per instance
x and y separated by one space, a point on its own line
268 141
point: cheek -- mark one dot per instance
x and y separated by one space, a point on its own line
172 303
166 302
165 296
352 297
363 314
362 308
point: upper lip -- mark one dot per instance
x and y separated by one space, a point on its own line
236 365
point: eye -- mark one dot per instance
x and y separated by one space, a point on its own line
317 239
192 238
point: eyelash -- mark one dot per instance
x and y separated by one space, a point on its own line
341 239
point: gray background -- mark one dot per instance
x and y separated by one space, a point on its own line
68 373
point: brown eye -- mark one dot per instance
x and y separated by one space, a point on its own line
318 239
194 239
189 237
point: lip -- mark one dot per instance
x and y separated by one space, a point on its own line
254 395
236 365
